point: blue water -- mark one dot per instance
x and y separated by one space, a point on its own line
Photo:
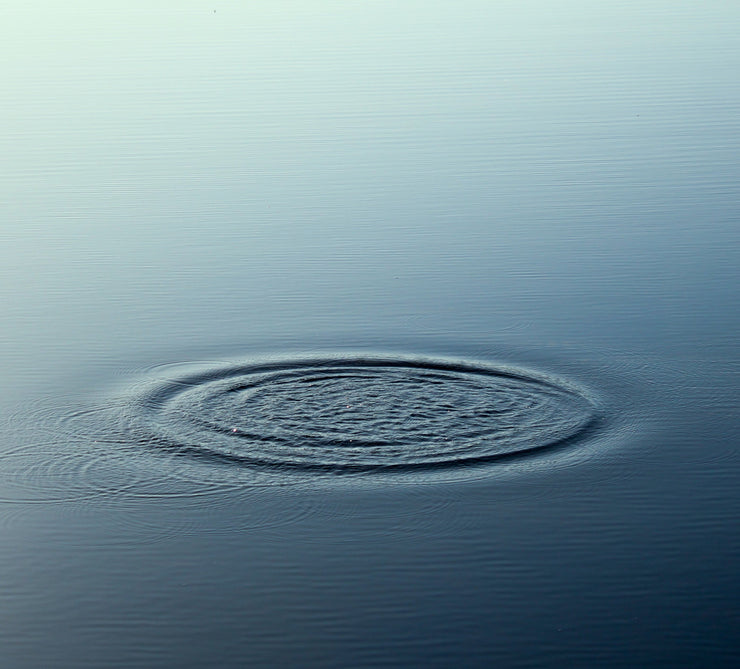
369 334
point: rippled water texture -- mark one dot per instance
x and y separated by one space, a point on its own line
369 334
357 414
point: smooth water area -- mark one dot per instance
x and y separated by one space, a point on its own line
369 334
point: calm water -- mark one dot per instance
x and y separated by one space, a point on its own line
370 334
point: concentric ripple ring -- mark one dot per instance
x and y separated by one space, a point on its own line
354 414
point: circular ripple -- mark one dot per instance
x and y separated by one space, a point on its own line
357 414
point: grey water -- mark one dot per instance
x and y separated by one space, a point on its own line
359 334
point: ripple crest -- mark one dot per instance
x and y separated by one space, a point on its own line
358 414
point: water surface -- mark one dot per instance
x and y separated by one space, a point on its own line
369 334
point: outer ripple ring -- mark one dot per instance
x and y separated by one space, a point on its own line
358 414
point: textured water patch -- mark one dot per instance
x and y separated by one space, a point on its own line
356 414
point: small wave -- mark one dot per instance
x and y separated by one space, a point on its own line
235 428
355 415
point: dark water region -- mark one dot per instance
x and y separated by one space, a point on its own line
370 334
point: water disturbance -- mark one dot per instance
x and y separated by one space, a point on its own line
356 414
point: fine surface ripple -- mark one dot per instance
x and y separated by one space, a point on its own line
357 414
